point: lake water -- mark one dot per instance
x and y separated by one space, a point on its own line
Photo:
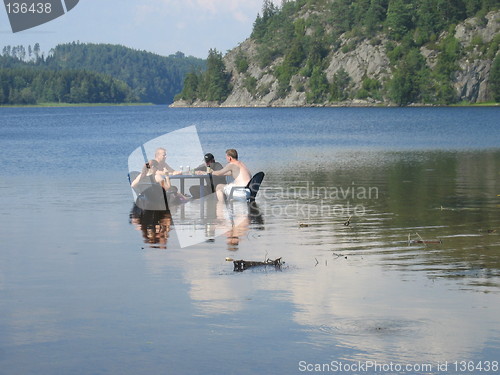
411 285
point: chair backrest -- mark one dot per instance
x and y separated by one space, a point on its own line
254 185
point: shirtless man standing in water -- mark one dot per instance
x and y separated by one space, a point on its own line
239 171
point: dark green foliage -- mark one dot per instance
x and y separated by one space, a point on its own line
339 89
451 10
283 73
153 78
342 17
250 84
30 86
429 23
370 88
190 89
447 65
266 55
494 83
241 62
276 29
399 18
262 24
450 49
493 47
292 62
295 55
318 86
316 53
214 83
375 16
414 82
408 82
211 85
148 77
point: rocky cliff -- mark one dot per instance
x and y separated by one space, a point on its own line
258 86
471 80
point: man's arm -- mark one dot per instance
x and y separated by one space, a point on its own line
136 180
144 172
169 168
201 168
226 171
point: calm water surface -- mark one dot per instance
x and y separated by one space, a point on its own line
414 279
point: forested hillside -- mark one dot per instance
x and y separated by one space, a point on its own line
321 52
91 73
153 78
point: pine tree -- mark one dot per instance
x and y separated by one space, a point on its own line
494 82
339 88
214 85
318 86
375 15
399 18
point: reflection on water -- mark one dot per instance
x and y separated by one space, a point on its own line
155 225
396 260
76 295
204 219
432 197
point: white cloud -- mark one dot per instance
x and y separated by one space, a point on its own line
191 26
239 10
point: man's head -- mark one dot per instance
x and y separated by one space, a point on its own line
160 154
231 154
209 158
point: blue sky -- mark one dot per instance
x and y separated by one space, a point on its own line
160 26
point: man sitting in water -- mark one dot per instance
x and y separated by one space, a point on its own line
154 175
208 166
239 171
163 167
159 169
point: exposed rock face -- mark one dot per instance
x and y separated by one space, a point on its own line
367 59
471 81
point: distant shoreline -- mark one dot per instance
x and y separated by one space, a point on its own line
333 105
214 105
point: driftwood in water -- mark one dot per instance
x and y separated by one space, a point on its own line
241 265
422 241
427 241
